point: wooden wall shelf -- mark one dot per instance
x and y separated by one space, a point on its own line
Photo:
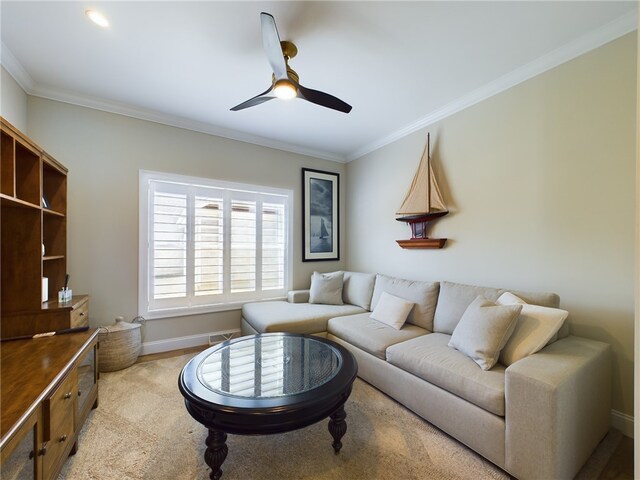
27 175
423 243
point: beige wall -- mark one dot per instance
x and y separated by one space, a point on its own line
13 101
104 153
540 183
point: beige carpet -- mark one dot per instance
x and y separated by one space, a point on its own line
141 430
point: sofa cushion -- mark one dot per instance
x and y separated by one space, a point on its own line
454 298
370 335
535 328
280 316
483 331
429 358
358 289
423 294
392 310
326 288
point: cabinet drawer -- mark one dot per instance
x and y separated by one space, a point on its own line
80 315
59 409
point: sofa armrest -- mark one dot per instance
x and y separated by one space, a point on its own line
298 296
558 407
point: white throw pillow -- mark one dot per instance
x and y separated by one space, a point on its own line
535 327
483 330
326 288
392 310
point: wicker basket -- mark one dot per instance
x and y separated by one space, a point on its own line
119 345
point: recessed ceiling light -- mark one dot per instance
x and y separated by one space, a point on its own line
97 18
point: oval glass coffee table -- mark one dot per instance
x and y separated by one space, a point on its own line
265 384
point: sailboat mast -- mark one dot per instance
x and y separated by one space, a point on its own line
429 171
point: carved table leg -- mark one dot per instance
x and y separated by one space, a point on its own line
216 452
338 427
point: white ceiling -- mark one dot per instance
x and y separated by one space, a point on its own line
401 65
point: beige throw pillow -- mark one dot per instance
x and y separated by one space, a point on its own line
535 327
483 330
392 310
326 288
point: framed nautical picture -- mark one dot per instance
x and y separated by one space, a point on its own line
320 217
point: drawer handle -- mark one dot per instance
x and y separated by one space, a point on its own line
63 438
42 451
79 393
67 396
82 314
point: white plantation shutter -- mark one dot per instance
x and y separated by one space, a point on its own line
205 244
273 246
243 246
208 246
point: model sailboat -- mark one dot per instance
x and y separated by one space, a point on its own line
422 205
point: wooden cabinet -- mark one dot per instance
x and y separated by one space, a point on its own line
49 386
33 238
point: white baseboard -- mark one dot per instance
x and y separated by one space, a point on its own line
623 422
178 343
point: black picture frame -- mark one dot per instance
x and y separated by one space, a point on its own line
320 215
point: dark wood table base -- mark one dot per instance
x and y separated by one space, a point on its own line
217 449
338 427
216 452
330 371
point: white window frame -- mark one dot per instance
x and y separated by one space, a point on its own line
144 250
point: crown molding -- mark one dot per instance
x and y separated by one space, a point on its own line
176 121
15 68
605 34
19 73
615 29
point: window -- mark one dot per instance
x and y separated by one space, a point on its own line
207 245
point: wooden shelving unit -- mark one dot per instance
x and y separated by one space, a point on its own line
33 202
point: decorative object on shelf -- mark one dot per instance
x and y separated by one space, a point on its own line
45 289
65 294
120 344
45 202
422 205
320 215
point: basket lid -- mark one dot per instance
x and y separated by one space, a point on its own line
121 325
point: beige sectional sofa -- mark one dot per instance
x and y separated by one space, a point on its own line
541 417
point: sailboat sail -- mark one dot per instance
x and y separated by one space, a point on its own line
423 196
324 233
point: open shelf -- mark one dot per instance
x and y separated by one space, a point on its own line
7 201
48 211
27 174
21 266
7 162
54 187
54 235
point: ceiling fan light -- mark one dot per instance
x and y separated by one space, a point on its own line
284 89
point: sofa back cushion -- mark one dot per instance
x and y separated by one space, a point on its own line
454 298
358 289
423 294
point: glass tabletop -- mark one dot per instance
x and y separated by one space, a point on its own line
269 366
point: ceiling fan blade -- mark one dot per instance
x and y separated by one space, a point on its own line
257 100
323 99
271 45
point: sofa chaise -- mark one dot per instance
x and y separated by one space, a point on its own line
540 417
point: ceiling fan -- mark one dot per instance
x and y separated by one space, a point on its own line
285 81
